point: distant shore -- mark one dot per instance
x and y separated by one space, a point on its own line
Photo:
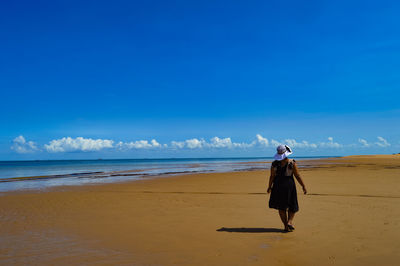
349 217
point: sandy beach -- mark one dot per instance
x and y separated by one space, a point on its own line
351 216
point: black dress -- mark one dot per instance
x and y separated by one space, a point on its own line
283 192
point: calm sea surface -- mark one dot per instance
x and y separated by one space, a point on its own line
19 175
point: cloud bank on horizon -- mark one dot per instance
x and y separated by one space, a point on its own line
80 144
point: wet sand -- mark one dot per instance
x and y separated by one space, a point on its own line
351 216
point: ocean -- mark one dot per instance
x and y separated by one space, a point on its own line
42 174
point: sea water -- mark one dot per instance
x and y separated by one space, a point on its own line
19 175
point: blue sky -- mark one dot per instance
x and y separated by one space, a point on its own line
101 78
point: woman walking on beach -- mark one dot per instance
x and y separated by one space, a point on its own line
283 188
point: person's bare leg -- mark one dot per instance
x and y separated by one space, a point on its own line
284 218
290 218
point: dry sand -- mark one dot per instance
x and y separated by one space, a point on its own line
351 216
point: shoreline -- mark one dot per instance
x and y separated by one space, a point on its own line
43 182
349 217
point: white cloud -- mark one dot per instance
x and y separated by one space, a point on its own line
195 143
215 142
20 145
177 144
382 142
139 144
155 144
303 144
244 144
363 142
227 143
69 144
330 144
221 143
261 140
275 143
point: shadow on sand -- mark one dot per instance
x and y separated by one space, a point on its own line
251 230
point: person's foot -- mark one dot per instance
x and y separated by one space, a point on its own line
287 229
291 227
